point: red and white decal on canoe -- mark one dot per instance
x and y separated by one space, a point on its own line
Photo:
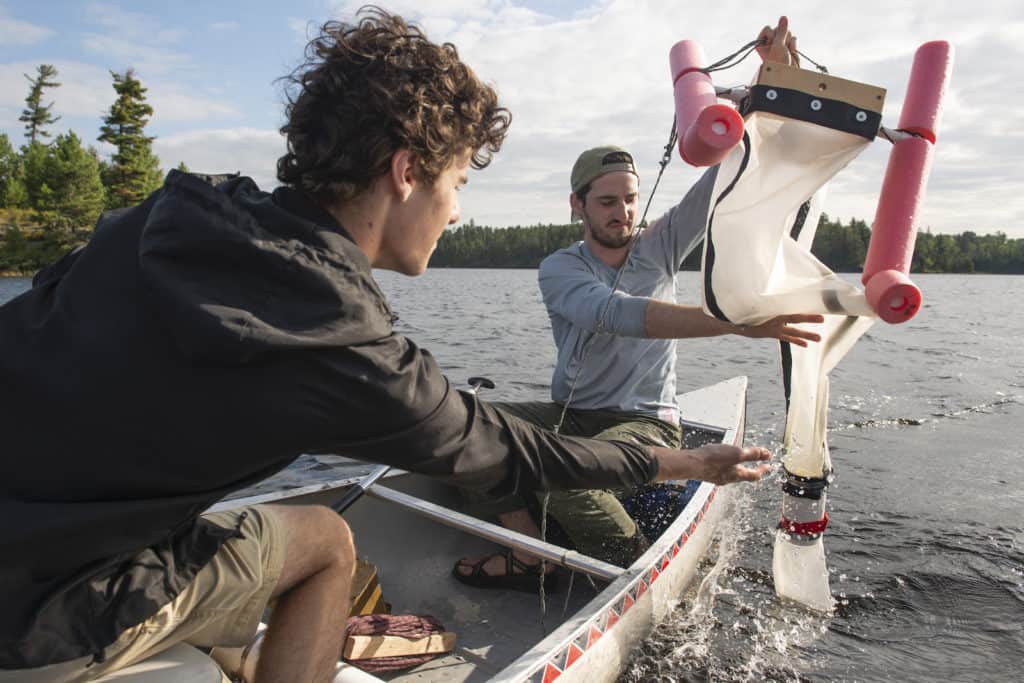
603 622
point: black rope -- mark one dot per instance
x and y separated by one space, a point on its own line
744 52
735 58
666 157
820 67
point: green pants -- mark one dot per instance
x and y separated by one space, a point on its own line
593 519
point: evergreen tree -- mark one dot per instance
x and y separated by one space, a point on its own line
12 179
36 115
134 170
33 161
71 196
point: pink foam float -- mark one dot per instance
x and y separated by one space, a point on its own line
887 287
708 130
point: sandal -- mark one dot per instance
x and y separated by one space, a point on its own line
518 575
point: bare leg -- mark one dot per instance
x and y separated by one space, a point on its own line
517 520
307 625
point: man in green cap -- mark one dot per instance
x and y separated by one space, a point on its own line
614 317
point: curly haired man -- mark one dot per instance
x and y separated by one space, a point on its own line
207 337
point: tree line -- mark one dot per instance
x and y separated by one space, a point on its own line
841 246
53 188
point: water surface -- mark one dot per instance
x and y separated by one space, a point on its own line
926 541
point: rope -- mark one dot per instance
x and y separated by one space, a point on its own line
744 52
735 58
411 626
819 67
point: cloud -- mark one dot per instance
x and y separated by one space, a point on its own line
131 25
146 59
14 32
133 39
250 151
171 103
601 75
225 26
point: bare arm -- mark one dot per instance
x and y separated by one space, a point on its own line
666 320
716 463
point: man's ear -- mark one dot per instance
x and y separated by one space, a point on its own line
576 206
402 173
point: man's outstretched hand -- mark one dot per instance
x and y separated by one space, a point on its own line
781 328
716 463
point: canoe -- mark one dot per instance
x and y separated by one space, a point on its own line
410 528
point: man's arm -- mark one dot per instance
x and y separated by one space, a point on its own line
387 402
666 320
574 292
717 463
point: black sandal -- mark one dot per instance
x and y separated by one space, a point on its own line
518 575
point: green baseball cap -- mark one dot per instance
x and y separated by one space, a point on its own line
595 162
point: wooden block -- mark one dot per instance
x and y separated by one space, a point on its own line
867 97
367 597
369 647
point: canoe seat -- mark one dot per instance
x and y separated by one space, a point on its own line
180 663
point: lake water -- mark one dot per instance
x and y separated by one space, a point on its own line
926 540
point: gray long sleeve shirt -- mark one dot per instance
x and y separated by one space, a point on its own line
623 369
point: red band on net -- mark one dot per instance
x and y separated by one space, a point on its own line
815 528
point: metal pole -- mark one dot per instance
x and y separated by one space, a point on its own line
570 559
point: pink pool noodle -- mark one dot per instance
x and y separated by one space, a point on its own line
922 107
889 291
707 129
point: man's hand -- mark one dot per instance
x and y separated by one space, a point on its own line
781 328
716 463
778 44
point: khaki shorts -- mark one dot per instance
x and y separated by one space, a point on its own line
221 607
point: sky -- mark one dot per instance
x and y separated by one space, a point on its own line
575 74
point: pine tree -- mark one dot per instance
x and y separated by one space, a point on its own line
12 176
33 162
71 196
37 115
134 170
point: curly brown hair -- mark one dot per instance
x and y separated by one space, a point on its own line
371 88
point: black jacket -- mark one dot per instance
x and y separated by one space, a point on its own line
198 343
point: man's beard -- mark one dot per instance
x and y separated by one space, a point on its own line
609 242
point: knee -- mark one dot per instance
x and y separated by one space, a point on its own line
336 537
